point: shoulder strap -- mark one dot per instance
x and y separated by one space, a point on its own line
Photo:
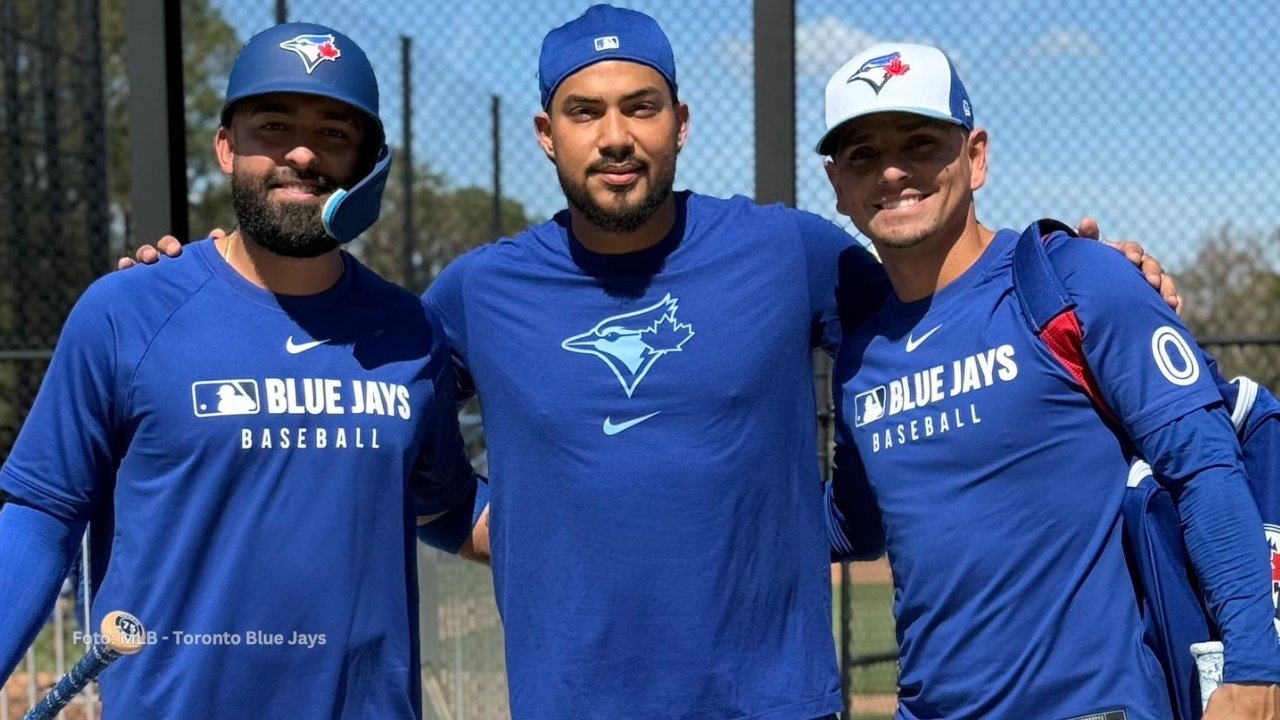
1049 309
1172 614
1040 293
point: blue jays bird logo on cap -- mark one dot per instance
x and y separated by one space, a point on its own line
631 343
877 71
313 49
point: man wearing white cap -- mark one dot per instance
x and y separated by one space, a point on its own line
1000 487
644 360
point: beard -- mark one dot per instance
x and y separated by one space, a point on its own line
627 218
289 229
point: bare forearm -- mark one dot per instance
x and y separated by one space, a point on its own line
476 548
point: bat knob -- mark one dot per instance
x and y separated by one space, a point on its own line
123 632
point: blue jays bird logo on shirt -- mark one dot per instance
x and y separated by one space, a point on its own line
877 71
313 49
632 342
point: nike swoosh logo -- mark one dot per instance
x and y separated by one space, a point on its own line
611 429
294 348
913 344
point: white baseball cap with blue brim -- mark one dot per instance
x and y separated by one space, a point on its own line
895 77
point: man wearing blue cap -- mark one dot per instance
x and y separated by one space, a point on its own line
1013 593
644 362
253 430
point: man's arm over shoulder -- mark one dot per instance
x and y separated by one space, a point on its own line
846 282
445 301
444 488
855 528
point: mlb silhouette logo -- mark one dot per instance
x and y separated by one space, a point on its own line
215 398
608 42
868 406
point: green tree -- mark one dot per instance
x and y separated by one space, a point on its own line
209 47
1232 292
447 222
65 161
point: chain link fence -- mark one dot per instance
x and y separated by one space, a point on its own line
1136 113
1147 116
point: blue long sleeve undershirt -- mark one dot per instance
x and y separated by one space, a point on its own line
1197 457
36 551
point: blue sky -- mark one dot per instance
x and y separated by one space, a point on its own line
1155 117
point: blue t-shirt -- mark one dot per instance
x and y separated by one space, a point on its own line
1001 489
254 465
656 509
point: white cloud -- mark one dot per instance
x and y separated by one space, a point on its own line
825 45
821 47
1061 42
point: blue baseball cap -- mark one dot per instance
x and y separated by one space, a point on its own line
602 33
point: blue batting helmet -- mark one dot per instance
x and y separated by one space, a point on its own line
317 60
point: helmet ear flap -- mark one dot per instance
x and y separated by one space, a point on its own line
347 213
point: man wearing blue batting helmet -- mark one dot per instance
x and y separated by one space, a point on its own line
659 536
255 430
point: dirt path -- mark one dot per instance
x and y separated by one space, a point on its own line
875 572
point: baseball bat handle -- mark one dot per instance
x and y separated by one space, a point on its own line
122 635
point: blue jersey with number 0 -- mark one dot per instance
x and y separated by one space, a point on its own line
1001 488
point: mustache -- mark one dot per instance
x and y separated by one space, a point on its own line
627 164
285 176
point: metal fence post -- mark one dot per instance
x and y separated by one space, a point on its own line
93 115
153 32
410 274
495 104
775 100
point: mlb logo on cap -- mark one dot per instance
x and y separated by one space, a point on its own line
596 36
895 77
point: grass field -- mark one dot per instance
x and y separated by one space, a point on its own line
874 686
471 641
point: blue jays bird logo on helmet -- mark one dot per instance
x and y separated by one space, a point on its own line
878 71
631 343
313 49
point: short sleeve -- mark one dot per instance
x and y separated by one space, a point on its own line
846 282
1146 362
66 450
442 476
445 302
